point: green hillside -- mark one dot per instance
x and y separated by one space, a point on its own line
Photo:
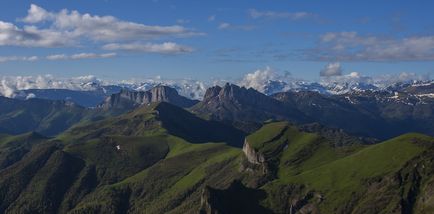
328 177
143 162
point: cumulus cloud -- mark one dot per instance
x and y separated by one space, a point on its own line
10 86
163 48
268 81
258 79
279 15
331 69
31 36
70 28
350 46
36 14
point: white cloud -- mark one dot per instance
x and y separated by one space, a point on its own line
10 86
163 48
331 69
258 79
264 80
279 15
92 55
4 59
268 81
30 36
36 14
57 57
350 46
17 58
71 28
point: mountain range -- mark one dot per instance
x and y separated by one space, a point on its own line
236 150
92 92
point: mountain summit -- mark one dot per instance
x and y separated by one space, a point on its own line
127 99
243 106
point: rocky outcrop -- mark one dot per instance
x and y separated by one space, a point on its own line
257 164
244 108
127 99
252 155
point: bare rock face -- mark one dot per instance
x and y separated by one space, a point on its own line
126 99
245 108
252 155
256 163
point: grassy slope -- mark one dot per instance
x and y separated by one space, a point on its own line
159 172
164 186
178 166
338 176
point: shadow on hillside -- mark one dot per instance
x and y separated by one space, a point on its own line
235 199
188 126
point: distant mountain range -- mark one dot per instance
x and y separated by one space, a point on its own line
237 150
93 93
381 114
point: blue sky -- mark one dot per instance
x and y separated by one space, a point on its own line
215 39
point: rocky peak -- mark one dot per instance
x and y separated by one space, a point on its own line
126 99
212 92
244 107
163 93
231 92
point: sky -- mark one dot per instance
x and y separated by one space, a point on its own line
203 40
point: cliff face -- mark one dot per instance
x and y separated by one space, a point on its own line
256 163
129 99
252 155
245 108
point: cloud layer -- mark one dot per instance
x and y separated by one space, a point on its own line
66 28
350 46
279 15
10 86
163 48
265 80
77 56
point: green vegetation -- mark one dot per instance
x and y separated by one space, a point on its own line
143 161
266 134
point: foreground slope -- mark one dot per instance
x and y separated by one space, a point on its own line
307 173
161 159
